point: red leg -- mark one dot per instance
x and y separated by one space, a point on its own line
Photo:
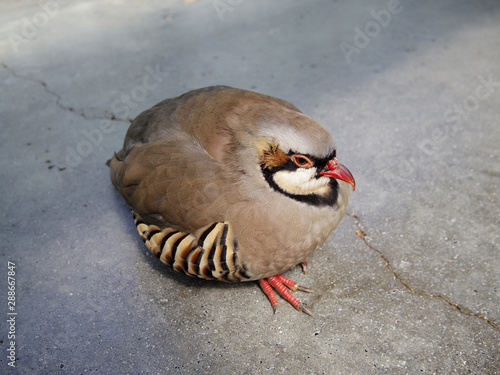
280 283
292 284
268 290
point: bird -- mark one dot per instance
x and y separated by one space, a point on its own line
232 185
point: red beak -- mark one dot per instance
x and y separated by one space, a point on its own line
338 171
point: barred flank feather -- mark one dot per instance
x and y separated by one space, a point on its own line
210 253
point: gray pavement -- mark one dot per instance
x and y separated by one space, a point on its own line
411 92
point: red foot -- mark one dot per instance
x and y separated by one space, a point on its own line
280 283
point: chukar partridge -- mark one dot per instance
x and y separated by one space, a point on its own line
232 185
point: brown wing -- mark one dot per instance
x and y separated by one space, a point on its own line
167 176
167 189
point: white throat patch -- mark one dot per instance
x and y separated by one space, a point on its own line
302 181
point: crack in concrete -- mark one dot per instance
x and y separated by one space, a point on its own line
77 111
462 310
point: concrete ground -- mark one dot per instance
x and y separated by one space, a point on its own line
409 89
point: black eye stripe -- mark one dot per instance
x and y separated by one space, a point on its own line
317 162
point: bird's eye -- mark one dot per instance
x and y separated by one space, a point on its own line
302 161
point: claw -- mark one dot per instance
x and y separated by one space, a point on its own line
304 289
280 283
304 265
302 308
